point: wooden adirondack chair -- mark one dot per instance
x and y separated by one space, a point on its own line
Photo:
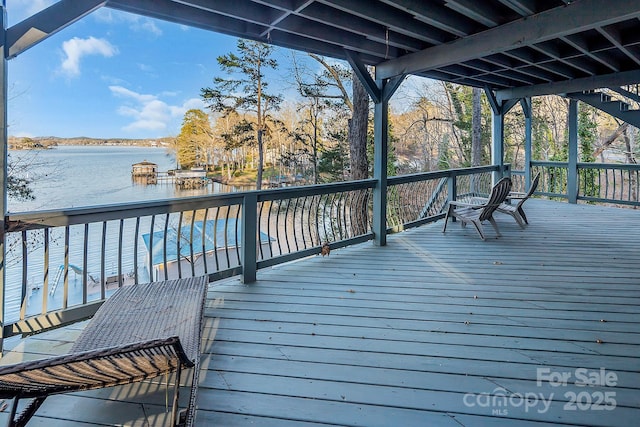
515 210
476 214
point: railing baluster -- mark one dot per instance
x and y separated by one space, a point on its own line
103 261
286 222
295 228
150 249
204 242
65 293
45 278
269 210
277 226
135 252
260 253
165 240
215 238
120 237
226 237
237 235
85 264
342 219
191 243
24 297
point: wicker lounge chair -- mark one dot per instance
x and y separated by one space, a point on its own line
476 214
140 332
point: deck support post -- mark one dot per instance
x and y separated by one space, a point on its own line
249 230
497 142
498 110
387 88
526 109
572 162
380 90
380 154
3 163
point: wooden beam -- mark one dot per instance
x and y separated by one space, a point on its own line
574 85
45 23
478 11
363 74
493 102
391 86
582 14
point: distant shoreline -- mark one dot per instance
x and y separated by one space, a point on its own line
45 142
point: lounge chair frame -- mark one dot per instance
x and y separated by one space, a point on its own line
141 332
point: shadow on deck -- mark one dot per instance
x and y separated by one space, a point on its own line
433 329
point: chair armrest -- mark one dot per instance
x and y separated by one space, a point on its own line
516 195
468 205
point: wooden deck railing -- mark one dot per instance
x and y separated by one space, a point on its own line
62 264
595 182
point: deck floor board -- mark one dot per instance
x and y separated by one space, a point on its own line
415 333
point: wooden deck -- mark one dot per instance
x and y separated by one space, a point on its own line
432 330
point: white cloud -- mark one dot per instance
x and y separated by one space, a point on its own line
149 113
76 48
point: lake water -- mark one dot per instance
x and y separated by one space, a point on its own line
80 176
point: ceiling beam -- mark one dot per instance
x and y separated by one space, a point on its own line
475 10
436 16
579 43
523 7
575 85
45 23
392 18
582 14
613 36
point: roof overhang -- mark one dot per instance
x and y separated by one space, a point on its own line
513 47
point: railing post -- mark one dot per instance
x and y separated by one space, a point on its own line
452 187
3 166
572 165
249 233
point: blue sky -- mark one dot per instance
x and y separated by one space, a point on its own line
112 75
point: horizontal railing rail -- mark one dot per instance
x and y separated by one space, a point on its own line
609 183
595 182
416 199
62 264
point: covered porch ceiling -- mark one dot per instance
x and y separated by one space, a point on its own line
516 48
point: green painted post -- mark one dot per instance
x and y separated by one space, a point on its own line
249 230
572 165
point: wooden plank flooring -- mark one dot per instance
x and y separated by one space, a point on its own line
432 330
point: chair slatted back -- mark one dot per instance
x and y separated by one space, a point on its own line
499 193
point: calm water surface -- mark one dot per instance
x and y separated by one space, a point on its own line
79 176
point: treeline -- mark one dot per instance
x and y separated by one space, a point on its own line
27 143
431 128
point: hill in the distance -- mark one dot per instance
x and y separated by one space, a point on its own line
25 143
